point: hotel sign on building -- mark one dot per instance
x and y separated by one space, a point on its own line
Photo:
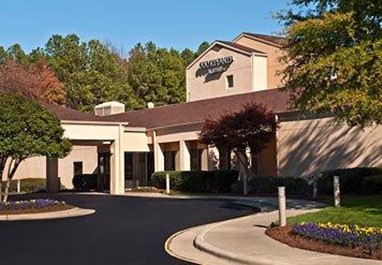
216 66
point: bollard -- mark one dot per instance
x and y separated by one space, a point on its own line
336 189
168 183
282 206
245 184
18 186
315 189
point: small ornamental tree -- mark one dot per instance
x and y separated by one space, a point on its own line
26 130
249 129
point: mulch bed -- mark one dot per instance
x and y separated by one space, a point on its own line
284 235
53 208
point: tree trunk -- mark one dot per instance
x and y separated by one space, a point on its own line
3 160
13 165
6 190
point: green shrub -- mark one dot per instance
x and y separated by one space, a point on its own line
372 185
269 185
28 185
350 179
196 181
87 182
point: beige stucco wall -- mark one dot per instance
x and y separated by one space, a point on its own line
35 167
85 154
204 87
310 146
267 164
273 53
135 141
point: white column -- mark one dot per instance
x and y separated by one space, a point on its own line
158 154
117 174
185 157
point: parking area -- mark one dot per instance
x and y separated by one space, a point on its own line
124 230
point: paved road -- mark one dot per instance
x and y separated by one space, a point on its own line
125 230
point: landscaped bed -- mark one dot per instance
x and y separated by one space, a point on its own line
354 230
32 206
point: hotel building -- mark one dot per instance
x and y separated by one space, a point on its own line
130 146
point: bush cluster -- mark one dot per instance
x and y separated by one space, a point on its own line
87 182
218 181
351 180
372 185
269 185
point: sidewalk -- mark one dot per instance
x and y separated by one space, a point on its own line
243 241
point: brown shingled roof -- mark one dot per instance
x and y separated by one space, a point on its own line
198 111
274 39
67 114
240 47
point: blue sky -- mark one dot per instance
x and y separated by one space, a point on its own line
168 23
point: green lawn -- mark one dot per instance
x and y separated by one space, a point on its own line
364 211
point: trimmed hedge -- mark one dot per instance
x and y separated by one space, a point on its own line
350 179
28 185
372 185
87 182
269 185
218 181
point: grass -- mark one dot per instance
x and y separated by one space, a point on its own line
364 211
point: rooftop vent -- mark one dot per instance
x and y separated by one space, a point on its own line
109 108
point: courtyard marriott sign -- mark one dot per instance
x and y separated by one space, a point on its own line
217 65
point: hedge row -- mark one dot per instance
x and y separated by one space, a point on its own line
351 180
269 185
196 181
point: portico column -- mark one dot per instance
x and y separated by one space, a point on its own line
185 157
158 154
117 170
52 179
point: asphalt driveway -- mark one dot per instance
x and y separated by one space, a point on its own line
124 230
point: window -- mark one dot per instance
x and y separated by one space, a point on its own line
229 81
169 160
196 159
77 168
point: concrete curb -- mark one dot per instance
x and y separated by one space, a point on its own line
202 245
168 250
74 212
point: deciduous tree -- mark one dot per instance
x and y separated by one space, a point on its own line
36 81
249 129
335 58
27 130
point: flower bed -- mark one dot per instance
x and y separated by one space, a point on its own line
368 238
32 206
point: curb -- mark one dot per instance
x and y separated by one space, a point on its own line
167 244
202 245
74 212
